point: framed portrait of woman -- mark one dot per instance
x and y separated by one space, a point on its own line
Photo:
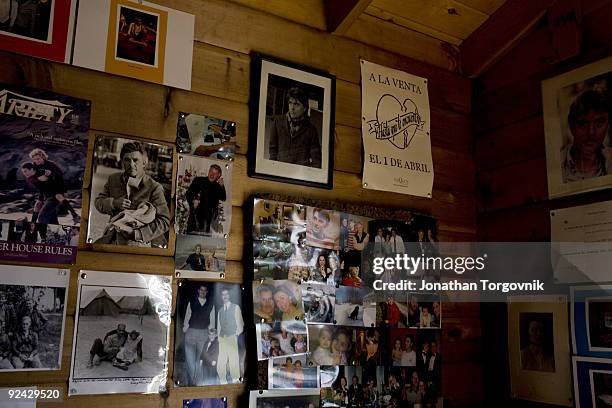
577 118
538 349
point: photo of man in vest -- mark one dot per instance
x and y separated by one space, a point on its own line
229 326
199 317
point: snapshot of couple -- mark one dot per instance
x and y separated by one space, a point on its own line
277 300
31 326
118 334
197 253
130 193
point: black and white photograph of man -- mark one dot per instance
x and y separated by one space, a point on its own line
294 129
203 196
209 343
131 184
31 19
292 123
31 319
536 341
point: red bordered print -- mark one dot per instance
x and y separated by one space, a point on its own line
61 36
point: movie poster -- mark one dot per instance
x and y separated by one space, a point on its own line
42 28
137 39
43 151
395 131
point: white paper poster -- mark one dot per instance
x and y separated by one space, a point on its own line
581 243
395 131
136 39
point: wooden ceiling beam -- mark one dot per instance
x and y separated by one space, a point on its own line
340 14
500 33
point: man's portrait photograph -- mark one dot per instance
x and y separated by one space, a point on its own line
577 115
294 124
203 196
322 228
130 193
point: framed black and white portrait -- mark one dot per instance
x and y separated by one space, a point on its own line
292 123
576 110
538 349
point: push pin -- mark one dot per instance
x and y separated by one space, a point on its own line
83 275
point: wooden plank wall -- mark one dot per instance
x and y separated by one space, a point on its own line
513 202
226 33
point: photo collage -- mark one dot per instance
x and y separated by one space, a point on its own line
206 148
314 306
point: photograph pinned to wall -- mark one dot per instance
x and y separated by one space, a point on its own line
209 338
292 372
200 257
203 196
395 131
279 221
392 310
354 232
424 310
131 184
429 359
319 301
418 388
33 310
538 349
140 40
577 129
304 398
292 123
205 403
355 306
42 29
370 348
592 382
121 333
42 165
331 345
402 346
279 260
324 266
322 228
203 135
281 339
591 320
277 300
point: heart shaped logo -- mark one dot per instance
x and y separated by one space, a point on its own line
396 121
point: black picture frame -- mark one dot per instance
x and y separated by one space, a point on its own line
272 78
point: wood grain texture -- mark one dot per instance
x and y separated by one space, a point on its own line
221 71
341 14
412 25
500 33
459 23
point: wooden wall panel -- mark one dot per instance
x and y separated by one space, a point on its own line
221 75
513 203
